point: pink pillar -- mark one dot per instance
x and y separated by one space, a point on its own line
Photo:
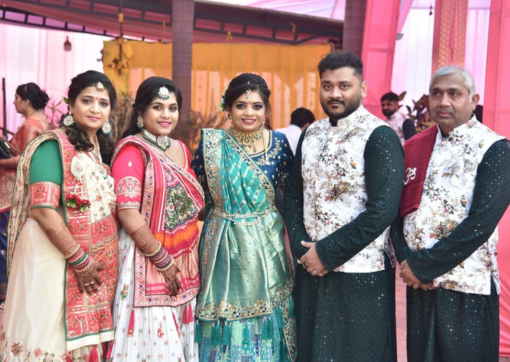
378 49
496 115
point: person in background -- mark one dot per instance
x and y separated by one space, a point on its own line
397 120
299 120
29 101
478 112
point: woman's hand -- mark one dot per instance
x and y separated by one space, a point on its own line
171 280
88 278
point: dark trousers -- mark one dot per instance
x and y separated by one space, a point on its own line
346 316
448 326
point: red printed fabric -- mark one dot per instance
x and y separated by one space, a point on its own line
44 194
170 203
129 172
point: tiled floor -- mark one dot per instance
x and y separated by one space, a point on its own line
401 322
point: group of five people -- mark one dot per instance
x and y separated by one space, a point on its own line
156 287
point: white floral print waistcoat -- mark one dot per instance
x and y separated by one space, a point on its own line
334 191
446 200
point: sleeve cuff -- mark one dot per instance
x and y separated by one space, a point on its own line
44 194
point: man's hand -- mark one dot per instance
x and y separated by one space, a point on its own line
410 279
311 261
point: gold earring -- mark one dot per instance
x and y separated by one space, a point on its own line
229 116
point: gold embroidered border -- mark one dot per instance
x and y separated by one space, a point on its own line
234 311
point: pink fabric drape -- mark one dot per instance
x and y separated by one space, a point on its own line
496 116
378 50
405 7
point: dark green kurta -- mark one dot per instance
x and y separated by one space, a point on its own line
349 316
446 325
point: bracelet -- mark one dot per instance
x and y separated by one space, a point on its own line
85 268
164 261
159 256
72 252
168 266
80 261
153 254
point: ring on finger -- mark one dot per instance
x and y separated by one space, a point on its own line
86 284
91 283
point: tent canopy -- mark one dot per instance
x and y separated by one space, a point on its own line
214 22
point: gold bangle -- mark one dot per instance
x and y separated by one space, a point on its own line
157 251
72 252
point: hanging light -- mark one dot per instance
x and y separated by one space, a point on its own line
67 45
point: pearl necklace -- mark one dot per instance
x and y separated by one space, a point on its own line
161 142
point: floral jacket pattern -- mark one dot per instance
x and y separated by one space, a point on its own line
334 191
447 197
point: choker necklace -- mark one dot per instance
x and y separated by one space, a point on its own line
248 140
161 142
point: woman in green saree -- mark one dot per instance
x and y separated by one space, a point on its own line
244 309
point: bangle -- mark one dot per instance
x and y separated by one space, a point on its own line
72 252
80 261
153 254
168 266
87 267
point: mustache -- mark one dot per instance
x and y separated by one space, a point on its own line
336 101
449 110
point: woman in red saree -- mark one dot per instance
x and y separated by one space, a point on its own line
29 101
158 201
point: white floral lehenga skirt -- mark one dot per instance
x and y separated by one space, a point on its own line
148 333
33 322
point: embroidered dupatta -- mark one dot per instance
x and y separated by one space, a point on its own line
88 317
166 184
244 268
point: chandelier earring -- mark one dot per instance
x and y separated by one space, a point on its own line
107 127
231 120
139 122
68 120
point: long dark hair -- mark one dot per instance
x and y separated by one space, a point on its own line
240 84
77 136
145 94
31 91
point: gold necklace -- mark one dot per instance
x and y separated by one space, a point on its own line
248 140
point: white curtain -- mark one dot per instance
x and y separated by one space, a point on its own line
37 55
413 53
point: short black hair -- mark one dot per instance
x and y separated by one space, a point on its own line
336 60
301 116
392 97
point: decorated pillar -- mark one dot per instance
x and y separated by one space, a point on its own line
496 115
378 50
449 33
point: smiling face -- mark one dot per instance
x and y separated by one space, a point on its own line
248 112
450 103
341 92
161 116
91 109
